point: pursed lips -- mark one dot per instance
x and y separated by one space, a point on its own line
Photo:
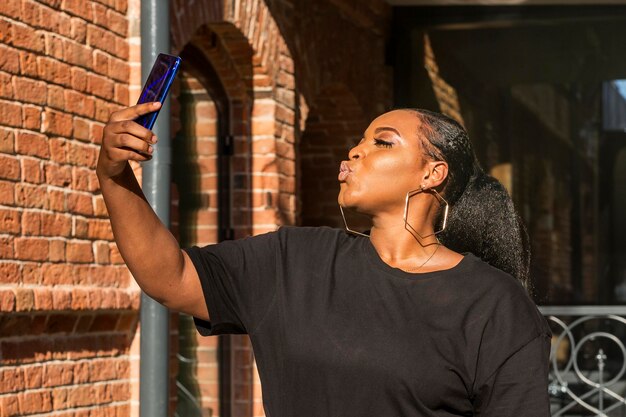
344 171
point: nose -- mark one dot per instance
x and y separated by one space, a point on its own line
355 152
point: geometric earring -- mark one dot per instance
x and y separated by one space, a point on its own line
441 200
354 232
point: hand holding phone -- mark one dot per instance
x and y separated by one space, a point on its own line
158 85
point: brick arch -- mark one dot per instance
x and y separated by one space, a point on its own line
243 43
334 122
247 54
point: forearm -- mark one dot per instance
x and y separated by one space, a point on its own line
150 251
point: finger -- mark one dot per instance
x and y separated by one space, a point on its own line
133 143
128 155
134 129
131 113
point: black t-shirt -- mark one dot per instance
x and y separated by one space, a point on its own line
336 332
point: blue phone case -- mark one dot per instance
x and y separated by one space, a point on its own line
158 85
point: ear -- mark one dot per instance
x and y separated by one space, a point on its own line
437 174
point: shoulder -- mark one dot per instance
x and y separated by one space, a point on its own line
504 301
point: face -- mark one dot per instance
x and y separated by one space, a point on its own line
388 162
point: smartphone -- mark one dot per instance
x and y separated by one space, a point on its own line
158 85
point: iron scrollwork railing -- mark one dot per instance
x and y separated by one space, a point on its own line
588 360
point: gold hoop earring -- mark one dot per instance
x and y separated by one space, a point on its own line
441 200
354 232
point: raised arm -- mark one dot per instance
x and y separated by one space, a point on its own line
150 251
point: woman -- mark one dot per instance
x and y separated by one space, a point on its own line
411 320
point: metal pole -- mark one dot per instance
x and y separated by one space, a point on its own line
154 366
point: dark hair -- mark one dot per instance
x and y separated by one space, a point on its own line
482 219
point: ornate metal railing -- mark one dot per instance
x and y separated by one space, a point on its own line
588 360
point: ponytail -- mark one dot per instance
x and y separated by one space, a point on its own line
482 217
483 221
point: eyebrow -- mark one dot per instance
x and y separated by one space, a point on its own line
386 128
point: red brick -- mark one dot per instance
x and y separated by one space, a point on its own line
77 54
56 274
9 167
119 70
31 196
104 110
57 123
81 226
28 64
121 94
11 8
79 103
10 61
100 62
82 154
31 223
57 200
82 129
6 87
10 114
11 380
61 323
102 252
31 117
100 86
14 324
54 21
57 374
7 140
10 405
54 71
43 299
78 29
56 97
31 171
55 46
78 8
26 37
10 221
60 176
31 249
81 179
117 23
61 300
6 247
79 79
58 149
100 230
7 302
57 251
97 130
31 273
79 204
33 376
56 225
30 13
24 299
32 402
59 398
79 252
100 15
30 91
102 39
7 193
34 144
9 274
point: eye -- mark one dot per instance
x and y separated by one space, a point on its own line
383 143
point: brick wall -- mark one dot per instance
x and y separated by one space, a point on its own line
68 309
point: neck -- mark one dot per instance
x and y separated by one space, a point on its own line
396 242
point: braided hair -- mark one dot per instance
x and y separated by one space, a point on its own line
482 219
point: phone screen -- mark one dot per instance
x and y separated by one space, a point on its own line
158 85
